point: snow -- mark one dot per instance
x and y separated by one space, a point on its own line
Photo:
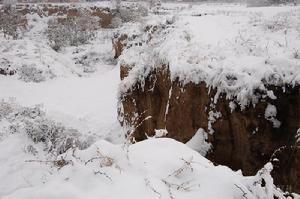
298 136
91 100
79 87
199 142
160 133
234 49
212 118
270 114
153 168
70 95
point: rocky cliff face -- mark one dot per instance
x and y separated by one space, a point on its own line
241 139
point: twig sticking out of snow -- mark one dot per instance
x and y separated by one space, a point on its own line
148 184
184 186
187 165
102 173
244 193
57 163
105 161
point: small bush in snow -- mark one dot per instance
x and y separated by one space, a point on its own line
115 22
9 3
296 54
279 22
133 13
72 31
55 136
32 121
116 4
154 5
31 74
171 20
12 23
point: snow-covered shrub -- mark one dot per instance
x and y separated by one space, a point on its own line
9 3
55 136
262 185
116 4
115 22
5 109
71 31
124 14
132 13
279 22
88 61
283 21
296 54
12 23
154 5
171 20
31 74
32 121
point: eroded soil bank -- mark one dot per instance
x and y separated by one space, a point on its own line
241 139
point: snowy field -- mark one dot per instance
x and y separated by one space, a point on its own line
75 102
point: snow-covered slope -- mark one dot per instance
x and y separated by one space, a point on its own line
76 86
156 168
234 49
40 158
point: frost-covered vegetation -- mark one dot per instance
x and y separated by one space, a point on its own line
12 23
37 48
33 122
125 14
71 31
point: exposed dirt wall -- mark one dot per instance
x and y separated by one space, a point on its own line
242 139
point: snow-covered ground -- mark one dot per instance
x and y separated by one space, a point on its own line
81 99
69 94
89 103
232 48
156 168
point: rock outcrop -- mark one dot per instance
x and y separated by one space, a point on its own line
241 139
